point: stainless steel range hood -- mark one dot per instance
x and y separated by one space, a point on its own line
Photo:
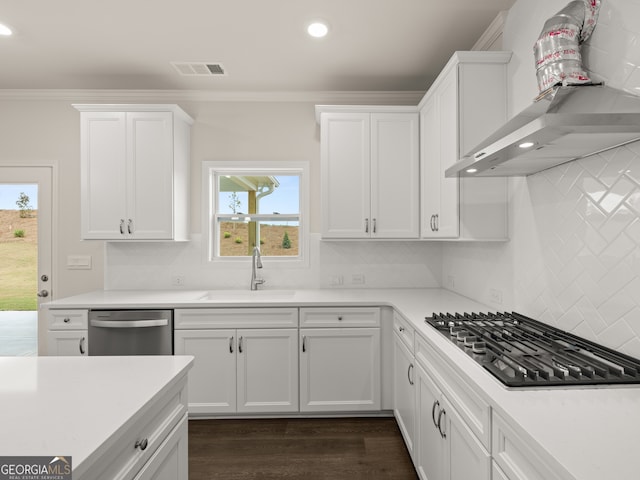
564 123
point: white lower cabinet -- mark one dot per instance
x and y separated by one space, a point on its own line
339 369
246 370
340 364
404 396
68 343
447 449
516 460
67 332
171 460
151 447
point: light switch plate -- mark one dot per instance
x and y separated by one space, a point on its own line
79 262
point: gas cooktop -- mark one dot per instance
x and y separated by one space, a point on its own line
522 352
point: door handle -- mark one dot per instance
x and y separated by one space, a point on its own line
43 293
130 226
366 225
231 345
240 345
162 322
442 413
436 404
81 346
409 371
304 343
122 226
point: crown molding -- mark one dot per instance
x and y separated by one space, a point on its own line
170 96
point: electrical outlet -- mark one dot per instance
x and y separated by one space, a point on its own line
357 279
177 280
495 296
451 282
336 280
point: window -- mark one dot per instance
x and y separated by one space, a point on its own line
261 204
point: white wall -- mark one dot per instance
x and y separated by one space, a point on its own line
44 130
574 255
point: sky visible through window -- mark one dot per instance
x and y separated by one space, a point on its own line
284 199
10 193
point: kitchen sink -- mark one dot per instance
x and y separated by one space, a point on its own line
239 295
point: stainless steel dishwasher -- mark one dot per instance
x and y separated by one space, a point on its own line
131 332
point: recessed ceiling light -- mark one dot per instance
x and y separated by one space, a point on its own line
318 29
5 31
526 145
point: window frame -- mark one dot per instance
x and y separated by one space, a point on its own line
211 169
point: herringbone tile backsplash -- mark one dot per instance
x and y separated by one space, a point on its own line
587 278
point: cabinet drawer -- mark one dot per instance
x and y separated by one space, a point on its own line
513 454
203 318
340 317
68 319
404 330
474 410
128 452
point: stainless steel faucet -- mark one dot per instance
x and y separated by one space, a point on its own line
256 262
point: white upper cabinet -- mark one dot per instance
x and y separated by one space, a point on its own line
370 172
134 172
466 103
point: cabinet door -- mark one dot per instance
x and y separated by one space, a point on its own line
268 370
448 221
170 461
67 343
103 174
431 447
404 395
150 175
339 369
465 457
212 380
345 175
394 175
430 165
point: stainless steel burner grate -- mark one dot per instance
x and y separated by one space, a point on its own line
522 352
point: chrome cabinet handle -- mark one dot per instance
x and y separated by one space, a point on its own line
304 343
437 222
122 226
366 225
81 346
66 320
43 293
401 328
409 372
443 413
141 444
374 225
231 345
240 345
436 404
130 226
340 318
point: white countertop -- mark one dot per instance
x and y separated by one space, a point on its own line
72 405
591 432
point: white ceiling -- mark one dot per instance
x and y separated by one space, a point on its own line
373 45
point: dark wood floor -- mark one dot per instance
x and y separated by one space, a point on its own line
306 449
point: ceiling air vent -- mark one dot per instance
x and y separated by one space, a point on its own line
199 69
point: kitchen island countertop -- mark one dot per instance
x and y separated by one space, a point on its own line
580 433
76 406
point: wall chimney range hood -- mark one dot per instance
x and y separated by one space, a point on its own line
564 123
